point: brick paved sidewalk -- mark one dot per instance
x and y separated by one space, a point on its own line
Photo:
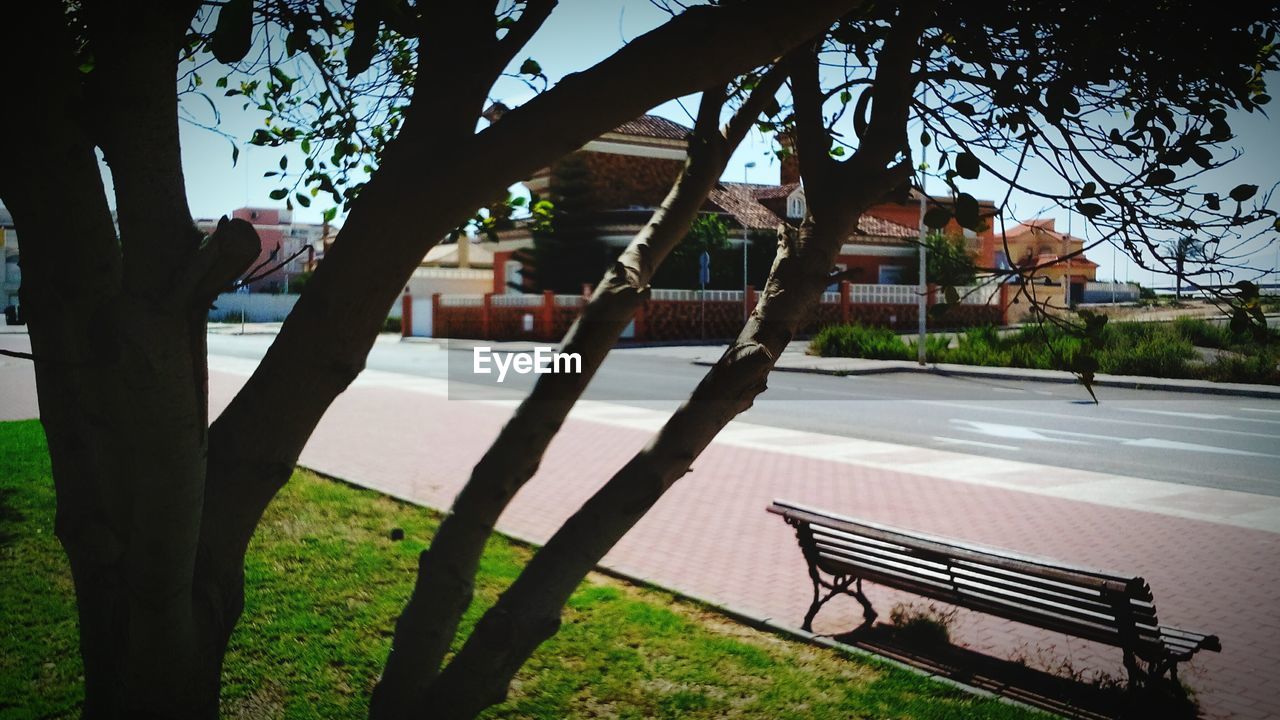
711 538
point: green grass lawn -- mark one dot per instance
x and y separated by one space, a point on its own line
325 583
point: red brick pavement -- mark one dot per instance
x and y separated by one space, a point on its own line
711 538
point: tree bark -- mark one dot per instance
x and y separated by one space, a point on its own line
446 571
323 344
529 611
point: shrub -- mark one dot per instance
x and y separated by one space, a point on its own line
1203 334
1232 367
861 342
1153 351
391 325
922 626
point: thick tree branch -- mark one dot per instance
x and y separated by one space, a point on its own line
529 611
446 571
325 340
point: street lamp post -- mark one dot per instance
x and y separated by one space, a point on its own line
746 311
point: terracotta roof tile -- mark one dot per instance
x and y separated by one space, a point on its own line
738 199
653 126
879 227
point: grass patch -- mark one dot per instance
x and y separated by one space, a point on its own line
1165 350
325 583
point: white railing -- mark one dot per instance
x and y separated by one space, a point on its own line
517 300
695 295
858 294
883 294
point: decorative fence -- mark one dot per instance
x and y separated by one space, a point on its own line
688 314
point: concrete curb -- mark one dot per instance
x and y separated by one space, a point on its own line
1133 382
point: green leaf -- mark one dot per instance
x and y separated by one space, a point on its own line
845 97
937 218
925 139
233 34
284 162
964 108
967 211
306 146
330 214
278 194
837 151
1163 176
967 166
303 200
1243 192
530 67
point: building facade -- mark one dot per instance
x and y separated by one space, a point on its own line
623 176
288 248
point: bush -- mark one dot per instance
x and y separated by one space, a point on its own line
392 324
1202 333
1232 367
1146 349
927 626
860 342
936 348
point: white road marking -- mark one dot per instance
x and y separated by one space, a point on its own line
1201 416
1174 413
1192 447
1079 485
1014 432
1061 416
1261 410
976 443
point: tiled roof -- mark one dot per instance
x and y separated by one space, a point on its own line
742 202
1079 261
653 126
738 199
766 192
879 227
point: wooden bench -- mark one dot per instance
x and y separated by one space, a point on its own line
1117 610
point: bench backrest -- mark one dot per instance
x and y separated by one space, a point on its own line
1106 607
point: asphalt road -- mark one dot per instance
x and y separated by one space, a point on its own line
1204 440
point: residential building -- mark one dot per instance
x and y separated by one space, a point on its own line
288 248
625 174
1037 244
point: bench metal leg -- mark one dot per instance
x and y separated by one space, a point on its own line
837 586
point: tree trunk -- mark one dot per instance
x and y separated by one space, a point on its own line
529 611
323 344
447 569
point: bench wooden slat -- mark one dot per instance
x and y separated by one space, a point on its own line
964 551
1102 606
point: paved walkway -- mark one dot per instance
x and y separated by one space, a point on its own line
1210 555
710 537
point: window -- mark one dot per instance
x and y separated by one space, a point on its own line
890 275
513 272
795 206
